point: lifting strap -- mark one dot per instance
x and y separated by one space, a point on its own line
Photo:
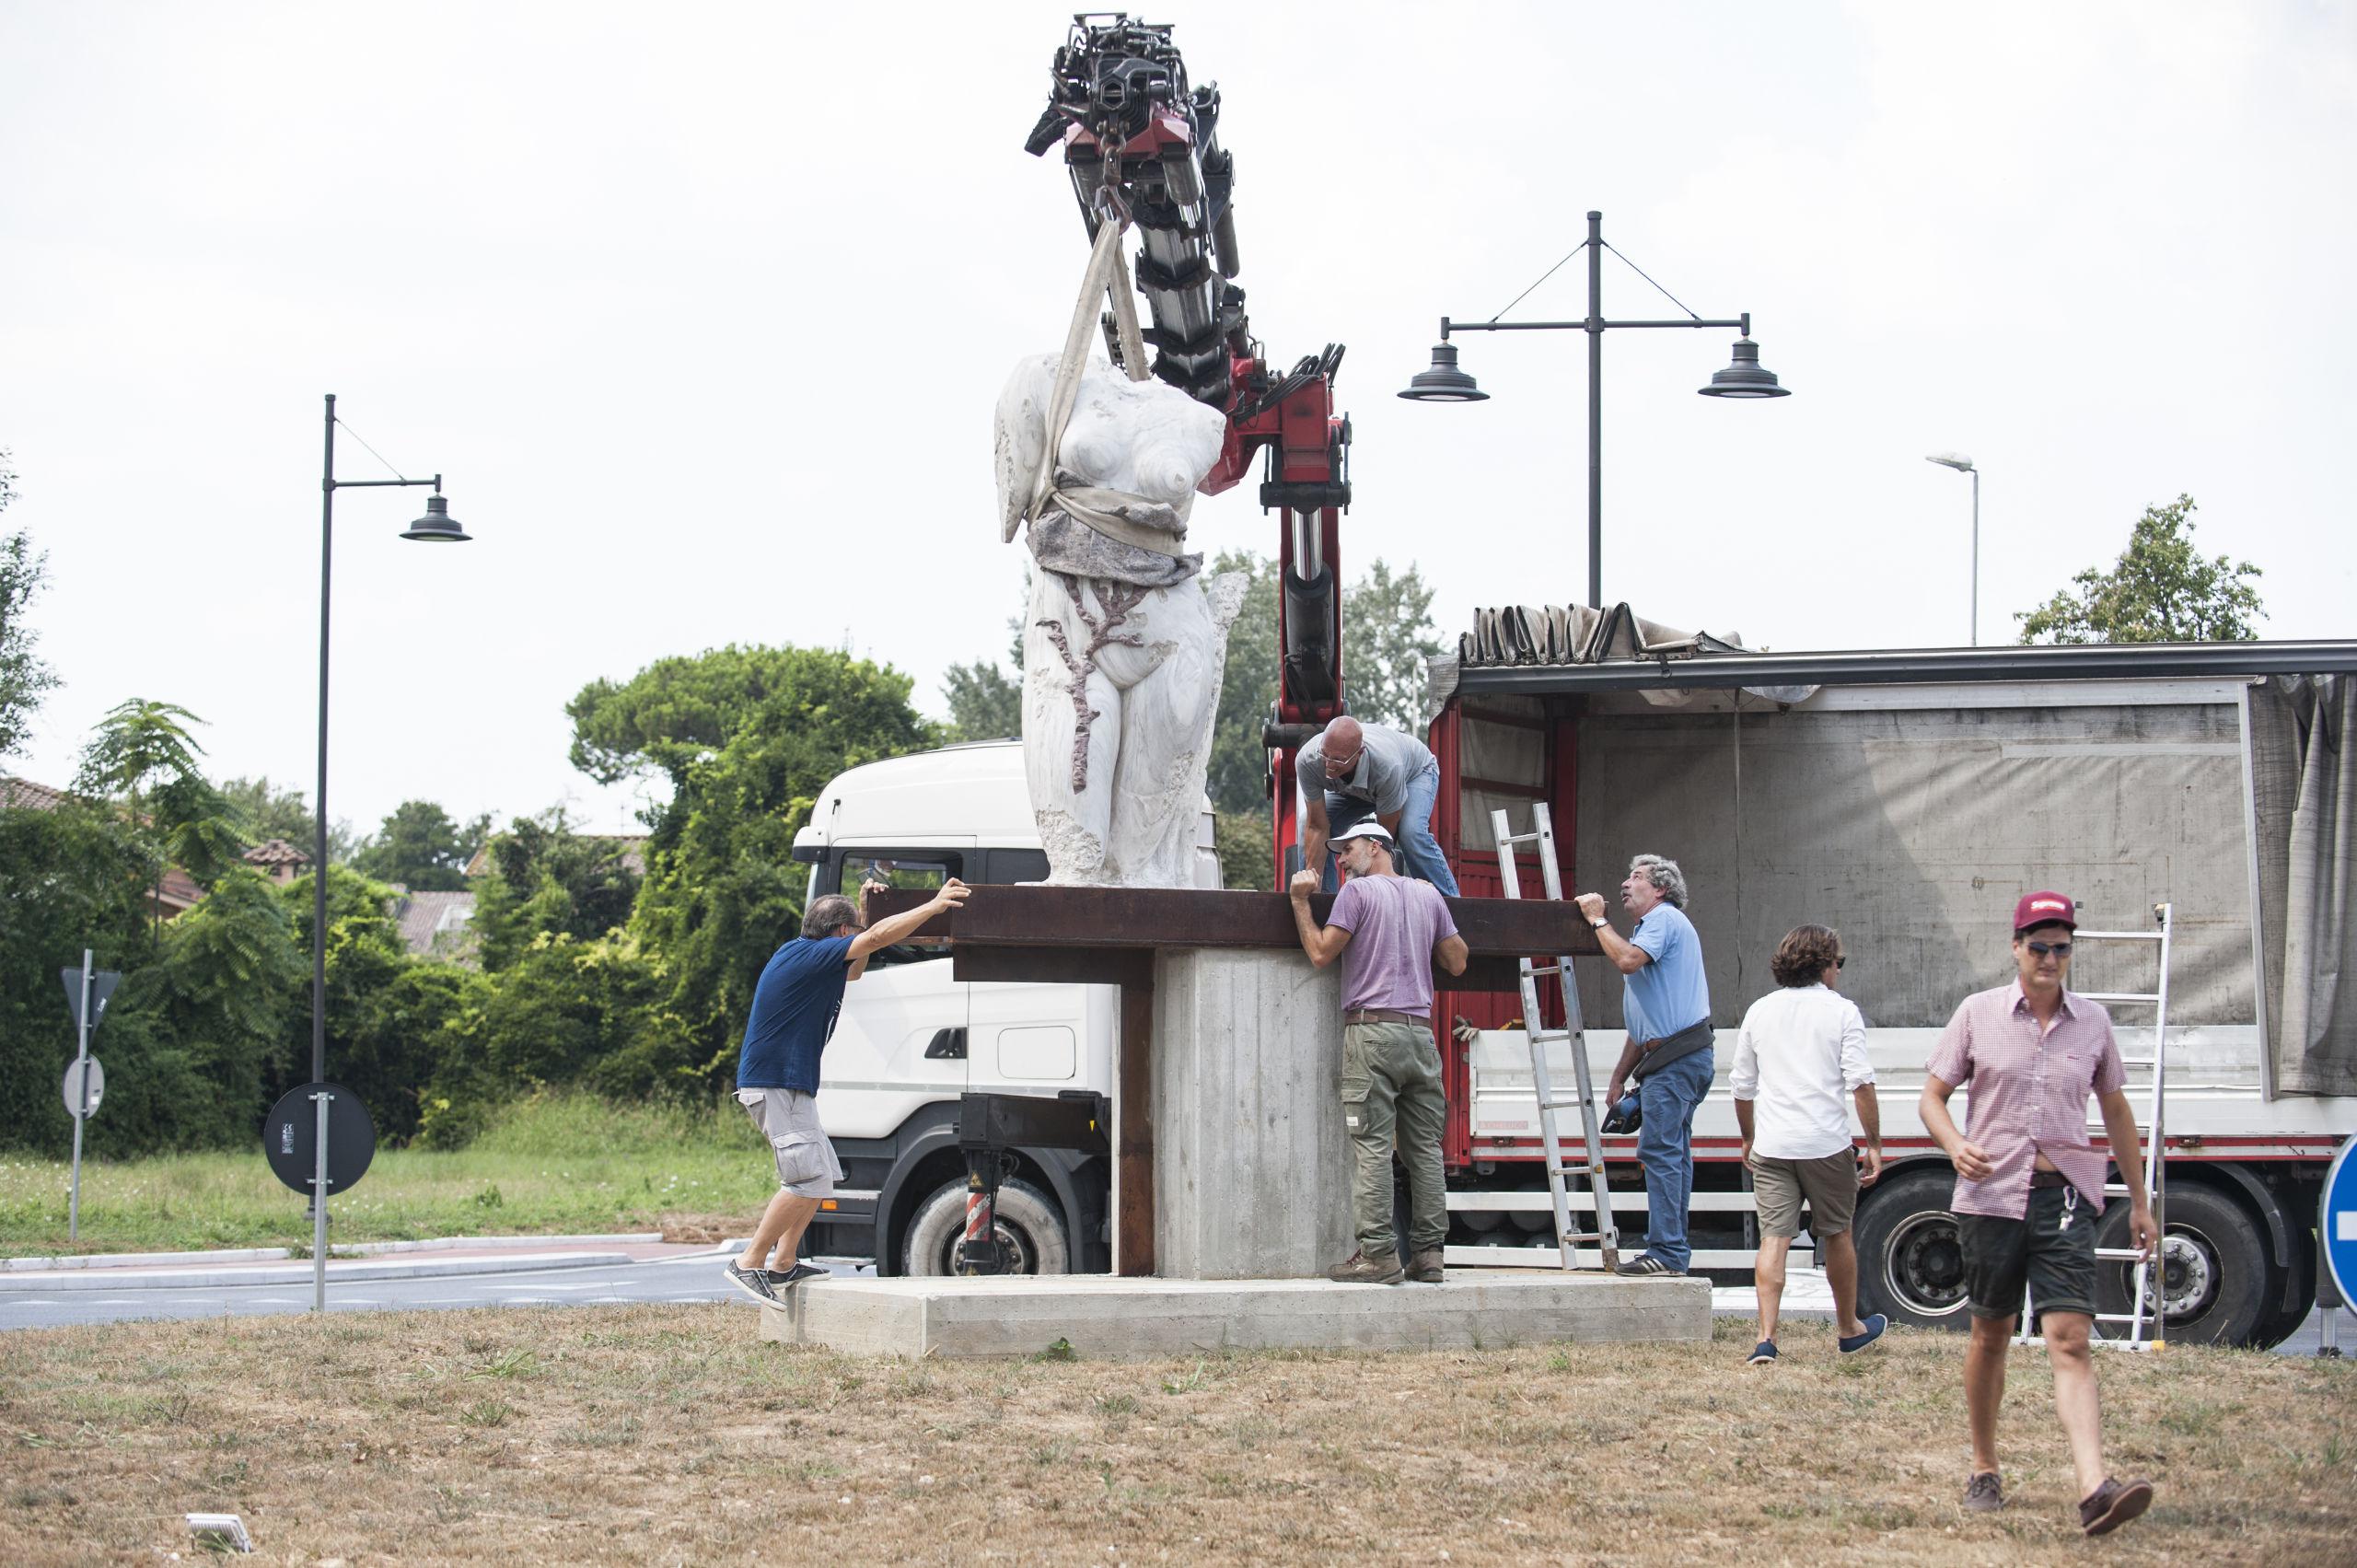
1118 515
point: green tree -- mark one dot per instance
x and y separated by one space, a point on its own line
546 879
143 753
73 878
224 990
985 702
1239 768
748 737
23 676
2160 590
1387 636
271 812
419 847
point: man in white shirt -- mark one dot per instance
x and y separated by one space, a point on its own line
1801 1048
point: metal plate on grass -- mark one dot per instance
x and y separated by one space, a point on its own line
290 1138
71 1088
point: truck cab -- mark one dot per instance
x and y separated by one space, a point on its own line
911 1038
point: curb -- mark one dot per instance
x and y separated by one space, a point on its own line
206 1278
50 1262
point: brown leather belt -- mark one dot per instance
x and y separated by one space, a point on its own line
2048 1179
1383 1016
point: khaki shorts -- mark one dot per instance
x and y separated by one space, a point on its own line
807 1167
1830 1185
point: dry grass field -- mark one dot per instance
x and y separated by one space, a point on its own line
669 1434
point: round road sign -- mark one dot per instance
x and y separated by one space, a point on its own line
290 1138
2337 1221
71 1088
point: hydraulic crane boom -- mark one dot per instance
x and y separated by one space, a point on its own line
1142 144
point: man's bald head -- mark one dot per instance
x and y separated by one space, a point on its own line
1344 741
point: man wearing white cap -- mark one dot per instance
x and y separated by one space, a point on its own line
1390 932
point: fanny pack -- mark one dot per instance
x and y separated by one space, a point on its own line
1685 1042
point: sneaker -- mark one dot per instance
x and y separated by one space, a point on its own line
1984 1495
1869 1331
796 1275
2113 1504
1647 1267
1425 1267
754 1283
1358 1268
1761 1353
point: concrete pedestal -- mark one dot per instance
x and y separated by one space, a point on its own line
1251 1166
1100 1316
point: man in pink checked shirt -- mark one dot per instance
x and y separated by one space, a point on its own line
2030 1189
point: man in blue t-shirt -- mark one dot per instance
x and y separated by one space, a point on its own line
796 1004
1666 1005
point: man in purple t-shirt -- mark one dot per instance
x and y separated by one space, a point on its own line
1390 932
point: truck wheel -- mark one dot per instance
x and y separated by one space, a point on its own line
1910 1256
2213 1276
1030 1232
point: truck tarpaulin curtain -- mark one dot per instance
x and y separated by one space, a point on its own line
2305 795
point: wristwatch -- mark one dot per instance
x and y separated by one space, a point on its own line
1599 924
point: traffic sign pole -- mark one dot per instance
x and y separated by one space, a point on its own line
319 1209
82 1061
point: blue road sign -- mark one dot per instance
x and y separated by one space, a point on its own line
2337 1224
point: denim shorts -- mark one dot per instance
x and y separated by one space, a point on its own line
2051 1250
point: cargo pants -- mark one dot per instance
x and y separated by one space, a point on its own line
1391 1093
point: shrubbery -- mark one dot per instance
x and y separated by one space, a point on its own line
586 978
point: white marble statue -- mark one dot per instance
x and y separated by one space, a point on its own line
1123 644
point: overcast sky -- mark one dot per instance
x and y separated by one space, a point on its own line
701 310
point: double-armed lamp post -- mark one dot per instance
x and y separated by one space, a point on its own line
437 526
1445 383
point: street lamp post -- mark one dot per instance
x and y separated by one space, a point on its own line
1445 383
1963 464
437 526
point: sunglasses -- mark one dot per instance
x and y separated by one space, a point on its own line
1841 962
2056 949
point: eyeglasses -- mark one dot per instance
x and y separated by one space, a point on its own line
1842 961
2058 949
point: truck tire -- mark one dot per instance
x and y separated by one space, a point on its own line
1910 1256
2213 1274
1027 1222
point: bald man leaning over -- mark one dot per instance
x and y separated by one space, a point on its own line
1354 771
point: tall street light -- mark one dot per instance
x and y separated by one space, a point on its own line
1963 464
437 526
1445 383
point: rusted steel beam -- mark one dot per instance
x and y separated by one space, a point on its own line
1186 917
1053 966
1129 966
1133 1134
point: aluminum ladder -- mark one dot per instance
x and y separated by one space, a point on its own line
2144 1331
1605 1235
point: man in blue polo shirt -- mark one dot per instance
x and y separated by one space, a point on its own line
1666 1005
796 1004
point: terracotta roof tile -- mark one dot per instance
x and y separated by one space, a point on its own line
23 795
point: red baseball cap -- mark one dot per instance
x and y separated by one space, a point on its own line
2044 909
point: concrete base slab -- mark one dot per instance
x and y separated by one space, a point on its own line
1101 1316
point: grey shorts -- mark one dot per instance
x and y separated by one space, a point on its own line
1830 1183
807 1167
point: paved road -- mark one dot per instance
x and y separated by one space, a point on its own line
693 1278
683 1279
